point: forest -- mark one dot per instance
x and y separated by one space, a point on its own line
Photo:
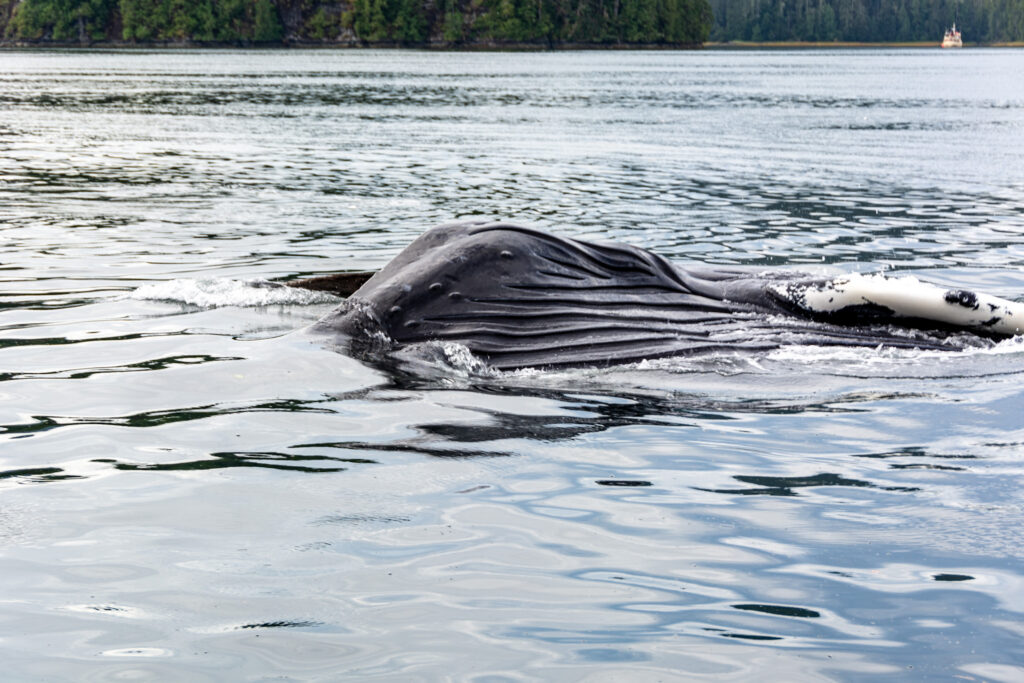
889 21
539 23
499 23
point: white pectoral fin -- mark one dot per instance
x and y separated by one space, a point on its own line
908 297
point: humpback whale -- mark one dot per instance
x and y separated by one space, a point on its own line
517 297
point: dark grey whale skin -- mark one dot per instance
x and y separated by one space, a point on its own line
521 298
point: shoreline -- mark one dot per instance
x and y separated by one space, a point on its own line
801 45
348 45
484 46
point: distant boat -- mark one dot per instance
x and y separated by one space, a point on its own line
952 38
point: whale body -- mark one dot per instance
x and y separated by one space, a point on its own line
521 298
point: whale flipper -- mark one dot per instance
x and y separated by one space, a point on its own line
906 299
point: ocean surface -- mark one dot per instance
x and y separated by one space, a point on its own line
195 488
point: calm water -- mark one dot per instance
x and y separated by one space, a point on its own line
192 488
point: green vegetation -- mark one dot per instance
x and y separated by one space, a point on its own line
890 21
60 20
225 21
353 22
505 22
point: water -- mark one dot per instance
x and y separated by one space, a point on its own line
192 488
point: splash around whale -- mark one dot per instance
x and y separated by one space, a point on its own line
521 298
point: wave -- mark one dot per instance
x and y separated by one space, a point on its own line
221 292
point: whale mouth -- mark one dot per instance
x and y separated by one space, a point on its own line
520 298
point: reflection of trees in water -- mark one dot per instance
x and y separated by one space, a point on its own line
784 486
574 414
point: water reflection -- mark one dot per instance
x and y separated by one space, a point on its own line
280 461
783 486
781 610
38 474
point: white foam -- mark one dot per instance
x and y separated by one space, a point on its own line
461 359
220 292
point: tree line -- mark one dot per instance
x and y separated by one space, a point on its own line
890 21
544 23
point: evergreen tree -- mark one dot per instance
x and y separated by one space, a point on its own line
410 22
369 21
266 24
453 28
